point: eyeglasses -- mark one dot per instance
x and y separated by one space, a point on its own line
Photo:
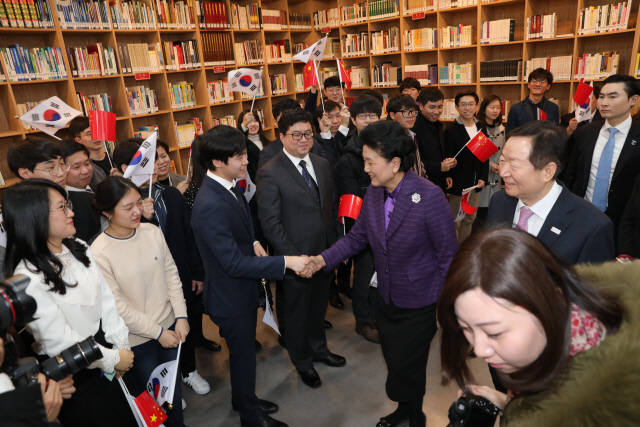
297 136
333 90
66 207
409 113
53 170
539 82
465 105
364 116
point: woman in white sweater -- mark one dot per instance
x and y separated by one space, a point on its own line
74 301
136 262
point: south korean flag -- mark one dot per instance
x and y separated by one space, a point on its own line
245 80
50 116
313 52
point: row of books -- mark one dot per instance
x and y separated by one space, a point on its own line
360 77
142 100
212 15
636 67
181 55
280 51
559 66
140 57
217 49
353 14
354 44
182 95
382 9
300 21
509 70
278 84
462 35
385 41
449 111
450 4
417 6
385 74
179 14
229 120
455 74
132 15
219 92
186 133
245 17
426 74
332 49
78 14
326 18
259 94
249 52
500 31
26 14
100 102
596 65
146 131
541 26
92 61
605 18
274 20
423 38
298 83
22 64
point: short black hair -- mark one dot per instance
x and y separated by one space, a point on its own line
365 104
163 144
410 82
125 151
329 106
483 107
430 94
333 81
286 104
77 125
290 118
372 92
461 95
221 143
548 143
70 147
401 102
31 151
630 83
539 74
109 193
596 91
389 139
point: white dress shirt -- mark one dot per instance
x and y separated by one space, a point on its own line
603 137
86 189
296 163
327 135
540 210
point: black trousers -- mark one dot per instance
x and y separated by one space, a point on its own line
306 304
188 351
363 295
240 334
344 274
405 338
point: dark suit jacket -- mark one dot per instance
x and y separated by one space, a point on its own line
576 174
253 154
84 221
629 236
292 220
413 254
275 147
430 137
469 169
224 235
330 147
586 234
522 113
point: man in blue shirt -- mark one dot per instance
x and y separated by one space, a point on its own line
540 81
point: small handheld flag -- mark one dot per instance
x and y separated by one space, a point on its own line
309 75
247 186
350 206
583 92
465 207
141 167
245 80
344 74
103 125
481 147
541 115
146 411
162 382
313 52
584 111
50 116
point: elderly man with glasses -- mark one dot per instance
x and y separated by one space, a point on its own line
535 106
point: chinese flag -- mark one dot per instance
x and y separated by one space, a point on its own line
350 206
309 75
464 204
482 147
152 414
542 115
583 93
345 75
103 125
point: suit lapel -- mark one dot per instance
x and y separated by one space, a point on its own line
297 176
229 198
528 109
557 220
403 203
629 147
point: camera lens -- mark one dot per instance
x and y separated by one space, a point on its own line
16 306
72 360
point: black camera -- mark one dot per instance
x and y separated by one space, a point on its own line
16 306
472 411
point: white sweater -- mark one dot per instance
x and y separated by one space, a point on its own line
63 320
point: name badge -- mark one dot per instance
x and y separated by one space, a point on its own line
555 230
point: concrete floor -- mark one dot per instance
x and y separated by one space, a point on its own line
351 396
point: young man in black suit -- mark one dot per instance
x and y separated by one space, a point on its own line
605 159
539 83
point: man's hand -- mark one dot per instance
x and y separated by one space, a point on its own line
318 262
147 208
126 360
197 286
182 187
325 124
299 264
480 183
66 387
449 183
345 116
169 339
495 168
259 250
182 329
115 172
573 125
51 396
314 88
447 164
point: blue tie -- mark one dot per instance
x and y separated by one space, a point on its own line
310 182
601 187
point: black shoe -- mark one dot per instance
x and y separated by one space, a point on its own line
264 421
310 378
332 360
334 299
258 346
209 345
396 417
266 406
328 325
282 342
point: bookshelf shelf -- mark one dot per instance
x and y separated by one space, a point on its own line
500 3
608 33
25 31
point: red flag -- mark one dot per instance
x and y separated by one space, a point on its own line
345 75
583 93
542 115
464 204
152 414
350 206
309 75
103 125
482 147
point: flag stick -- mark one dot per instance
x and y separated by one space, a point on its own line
318 78
254 95
175 373
189 164
340 75
104 144
127 394
150 183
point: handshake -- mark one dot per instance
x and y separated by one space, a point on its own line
304 265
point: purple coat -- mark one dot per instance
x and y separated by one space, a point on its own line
413 254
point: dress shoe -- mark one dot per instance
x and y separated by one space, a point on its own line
208 345
282 342
396 417
258 346
369 333
332 360
334 299
264 421
328 325
310 378
265 406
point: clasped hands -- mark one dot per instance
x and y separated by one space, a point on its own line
304 265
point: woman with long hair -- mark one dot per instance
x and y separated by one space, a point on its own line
74 300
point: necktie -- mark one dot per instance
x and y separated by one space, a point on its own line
310 182
235 190
418 166
523 221
601 187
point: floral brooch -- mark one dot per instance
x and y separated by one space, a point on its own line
415 198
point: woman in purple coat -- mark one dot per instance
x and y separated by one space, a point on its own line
407 222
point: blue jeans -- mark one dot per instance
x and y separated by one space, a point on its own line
147 358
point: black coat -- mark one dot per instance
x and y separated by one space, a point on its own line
469 169
84 221
430 137
350 175
330 147
629 236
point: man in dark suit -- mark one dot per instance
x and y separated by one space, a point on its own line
629 238
605 159
539 83
298 209
534 201
233 263
569 121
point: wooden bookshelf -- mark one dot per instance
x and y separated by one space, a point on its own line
11 93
